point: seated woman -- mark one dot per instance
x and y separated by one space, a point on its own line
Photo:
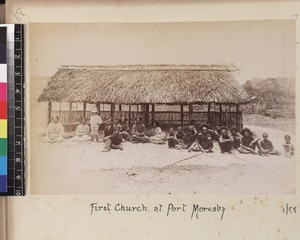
236 137
112 137
139 132
82 132
225 141
159 136
248 142
54 131
203 141
124 129
266 146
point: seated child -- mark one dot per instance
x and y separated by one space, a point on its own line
266 146
288 147
171 138
179 134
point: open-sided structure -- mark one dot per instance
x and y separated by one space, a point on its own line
170 94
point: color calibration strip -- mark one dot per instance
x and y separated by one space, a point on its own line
3 110
12 182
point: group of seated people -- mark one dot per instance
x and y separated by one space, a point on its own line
186 137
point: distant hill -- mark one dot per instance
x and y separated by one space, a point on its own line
273 97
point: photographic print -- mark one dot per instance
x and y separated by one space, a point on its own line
162 108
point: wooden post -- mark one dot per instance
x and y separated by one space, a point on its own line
190 112
146 113
221 123
237 124
129 117
208 112
181 113
49 111
112 111
70 111
84 109
98 107
153 113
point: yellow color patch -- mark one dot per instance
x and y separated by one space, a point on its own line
3 128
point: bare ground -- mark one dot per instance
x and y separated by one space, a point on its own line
82 168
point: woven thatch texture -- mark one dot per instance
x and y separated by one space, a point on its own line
144 84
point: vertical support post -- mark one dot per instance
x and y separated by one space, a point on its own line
221 115
70 112
129 117
49 111
98 106
208 112
181 113
153 113
112 111
190 112
238 124
146 113
84 109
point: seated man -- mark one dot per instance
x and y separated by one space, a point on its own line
203 141
180 134
124 129
225 141
82 132
112 137
54 131
266 146
139 132
171 138
188 138
248 142
236 137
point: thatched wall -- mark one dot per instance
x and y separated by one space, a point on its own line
137 84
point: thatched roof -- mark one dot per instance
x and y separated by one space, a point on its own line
136 84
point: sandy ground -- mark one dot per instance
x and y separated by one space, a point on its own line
82 168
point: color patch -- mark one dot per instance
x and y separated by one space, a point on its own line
3 183
3 73
3 146
3 128
3 110
3 91
3 165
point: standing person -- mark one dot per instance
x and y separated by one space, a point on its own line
225 141
112 137
139 132
236 137
203 141
248 142
82 132
95 122
54 131
159 136
124 129
267 146
288 146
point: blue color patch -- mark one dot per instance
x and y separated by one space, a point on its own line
3 165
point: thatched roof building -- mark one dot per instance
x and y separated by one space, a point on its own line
212 86
138 84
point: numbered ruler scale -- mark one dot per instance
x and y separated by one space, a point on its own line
16 181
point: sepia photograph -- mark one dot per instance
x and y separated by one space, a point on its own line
162 108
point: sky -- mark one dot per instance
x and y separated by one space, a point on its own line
260 49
